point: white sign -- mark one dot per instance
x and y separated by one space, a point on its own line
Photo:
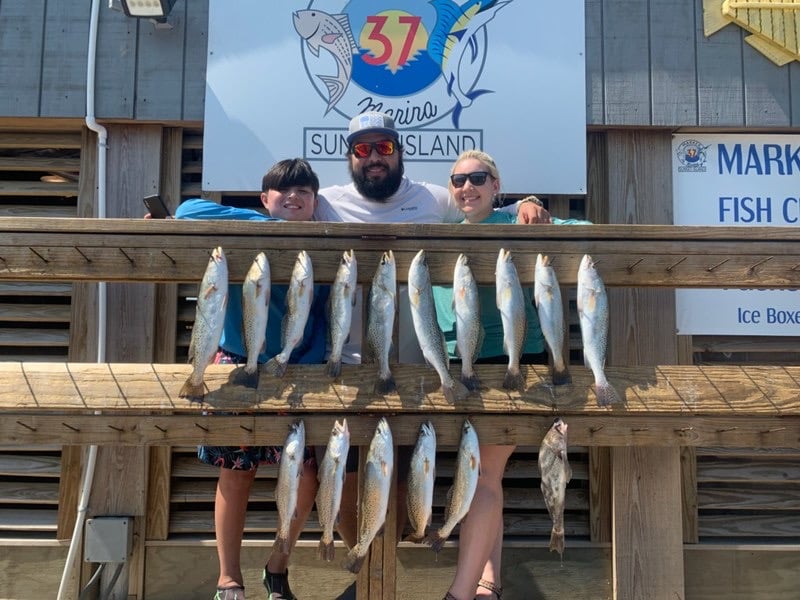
745 181
506 76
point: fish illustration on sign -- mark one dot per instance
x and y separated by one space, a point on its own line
332 33
454 39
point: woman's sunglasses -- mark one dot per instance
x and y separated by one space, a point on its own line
477 178
364 149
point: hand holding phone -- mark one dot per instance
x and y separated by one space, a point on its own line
156 207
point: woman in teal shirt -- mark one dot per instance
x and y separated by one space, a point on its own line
474 183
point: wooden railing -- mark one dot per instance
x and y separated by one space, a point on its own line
666 406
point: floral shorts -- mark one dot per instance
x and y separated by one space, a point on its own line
245 458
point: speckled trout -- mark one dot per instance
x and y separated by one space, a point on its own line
593 313
429 335
212 299
547 296
256 291
298 307
469 331
421 476
289 472
380 320
511 304
340 316
331 474
373 497
465 482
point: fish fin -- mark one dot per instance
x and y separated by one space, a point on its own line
385 386
471 382
458 391
242 377
193 392
275 366
435 541
313 49
561 376
557 541
606 394
335 89
353 562
344 21
281 544
325 551
334 367
513 381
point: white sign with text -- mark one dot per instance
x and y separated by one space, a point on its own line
742 181
507 76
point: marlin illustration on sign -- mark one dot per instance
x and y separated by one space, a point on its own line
453 36
331 32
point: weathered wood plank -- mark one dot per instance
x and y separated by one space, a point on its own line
31 492
36 313
726 391
29 465
626 62
648 551
69 484
759 526
32 139
673 63
749 497
749 471
64 52
689 495
21 58
160 493
176 251
20 519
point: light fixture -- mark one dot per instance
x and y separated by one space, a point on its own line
153 9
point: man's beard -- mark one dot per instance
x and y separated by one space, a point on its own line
378 190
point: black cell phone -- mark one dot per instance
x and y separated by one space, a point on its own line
156 207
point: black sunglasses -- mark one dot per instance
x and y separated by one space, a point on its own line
477 178
364 149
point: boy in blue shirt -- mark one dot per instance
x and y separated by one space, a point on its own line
289 193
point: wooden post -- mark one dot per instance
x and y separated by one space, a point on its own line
646 489
120 486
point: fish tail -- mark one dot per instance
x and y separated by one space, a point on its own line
246 378
557 541
436 541
325 550
606 394
354 562
195 392
560 375
385 384
470 381
416 538
513 381
281 544
276 366
334 367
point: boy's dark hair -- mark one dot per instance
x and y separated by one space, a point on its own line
286 173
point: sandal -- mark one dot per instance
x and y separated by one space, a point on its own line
277 585
235 592
497 590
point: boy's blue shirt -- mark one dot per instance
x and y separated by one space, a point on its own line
312 348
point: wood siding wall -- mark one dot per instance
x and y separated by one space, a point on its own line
648 64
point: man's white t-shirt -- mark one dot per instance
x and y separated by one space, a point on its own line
413 202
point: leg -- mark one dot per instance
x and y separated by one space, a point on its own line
348 512
485 514
230 510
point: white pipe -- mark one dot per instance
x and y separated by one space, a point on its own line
102 138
